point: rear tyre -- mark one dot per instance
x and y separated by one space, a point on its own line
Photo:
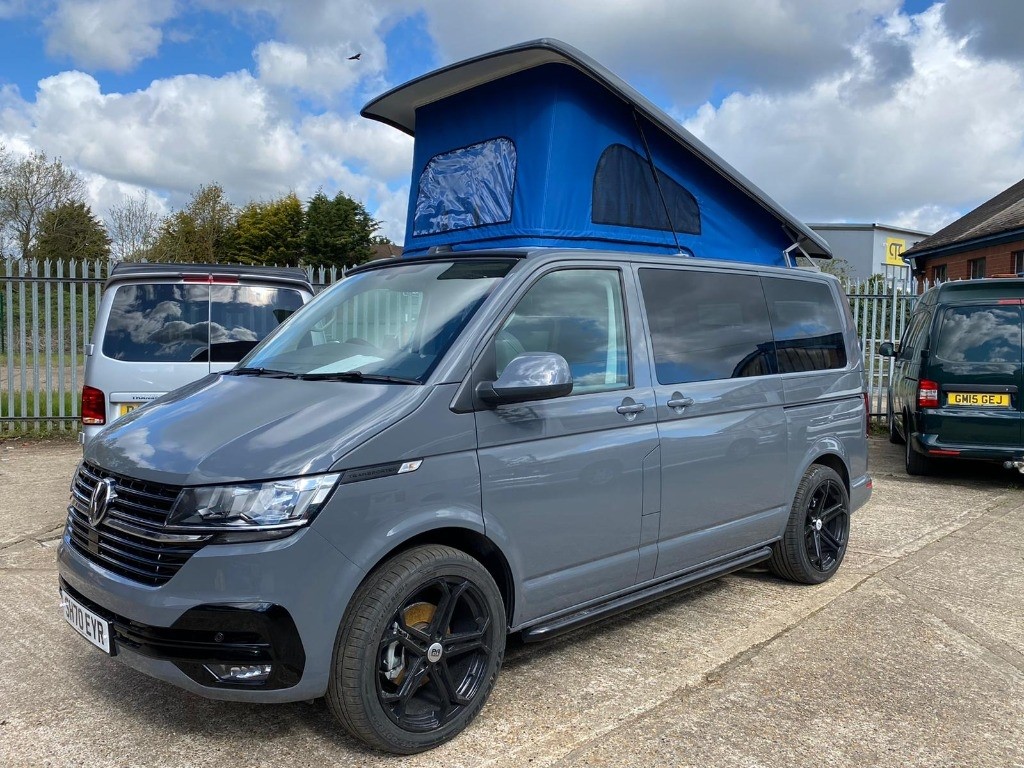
916 464
814 544
418 651
894 434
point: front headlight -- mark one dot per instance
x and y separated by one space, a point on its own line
277 504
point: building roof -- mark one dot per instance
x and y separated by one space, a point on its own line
402 106
1003 214
849 225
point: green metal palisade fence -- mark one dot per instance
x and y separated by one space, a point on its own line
47 312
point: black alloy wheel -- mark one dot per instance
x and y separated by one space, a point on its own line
418 650
434 655
818 531
827 526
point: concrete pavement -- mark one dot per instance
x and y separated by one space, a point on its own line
912 655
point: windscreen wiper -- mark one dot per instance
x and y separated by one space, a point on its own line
356 376
260 372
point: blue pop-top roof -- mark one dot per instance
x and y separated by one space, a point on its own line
538 145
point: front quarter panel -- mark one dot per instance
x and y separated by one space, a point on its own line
368 519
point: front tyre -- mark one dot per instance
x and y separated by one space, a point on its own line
818 530
418 651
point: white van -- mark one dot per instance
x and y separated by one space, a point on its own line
161 326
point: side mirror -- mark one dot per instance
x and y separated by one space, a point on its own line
531 376
887 349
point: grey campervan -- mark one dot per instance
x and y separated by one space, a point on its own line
525 424
434 453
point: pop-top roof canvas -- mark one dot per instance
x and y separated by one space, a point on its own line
537 146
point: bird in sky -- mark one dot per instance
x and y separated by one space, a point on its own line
355 58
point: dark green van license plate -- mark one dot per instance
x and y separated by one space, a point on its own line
978 399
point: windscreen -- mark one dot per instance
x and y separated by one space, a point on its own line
181 323
395 322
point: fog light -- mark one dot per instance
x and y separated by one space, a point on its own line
238 673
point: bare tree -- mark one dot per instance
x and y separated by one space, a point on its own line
132 225
29 188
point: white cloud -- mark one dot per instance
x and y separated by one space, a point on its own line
189 130
107 34
686 47
944 138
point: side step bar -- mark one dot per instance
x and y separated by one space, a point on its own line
564 624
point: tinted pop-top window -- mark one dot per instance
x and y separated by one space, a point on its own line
983 334
706 325
625 193
806 324
172 323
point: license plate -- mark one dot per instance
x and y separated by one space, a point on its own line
86 623
978 399
126 408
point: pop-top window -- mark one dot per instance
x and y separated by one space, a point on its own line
175 323
626 194
985 334
467 187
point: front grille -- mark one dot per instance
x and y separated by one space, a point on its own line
131 540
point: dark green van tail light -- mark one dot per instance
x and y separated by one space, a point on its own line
927 394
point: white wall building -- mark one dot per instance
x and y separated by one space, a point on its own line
870 249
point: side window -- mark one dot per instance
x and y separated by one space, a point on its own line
912 338
577 313
706 325
806 325
980 334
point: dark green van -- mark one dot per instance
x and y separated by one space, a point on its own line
957 376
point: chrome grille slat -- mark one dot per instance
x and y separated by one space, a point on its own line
131 540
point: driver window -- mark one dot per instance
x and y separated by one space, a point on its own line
577 313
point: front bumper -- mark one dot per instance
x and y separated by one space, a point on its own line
278 603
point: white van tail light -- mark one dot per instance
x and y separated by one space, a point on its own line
94 407
927 394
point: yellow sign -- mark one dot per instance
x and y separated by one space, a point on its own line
894 252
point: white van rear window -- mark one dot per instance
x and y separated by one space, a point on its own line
180 323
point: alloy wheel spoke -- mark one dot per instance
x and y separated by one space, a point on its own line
410 684
446 608
450 693
418 635
832 540
817 546
464 642
403 638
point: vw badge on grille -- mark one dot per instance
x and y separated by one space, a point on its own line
102 496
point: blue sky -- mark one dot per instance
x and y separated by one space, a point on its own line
850 110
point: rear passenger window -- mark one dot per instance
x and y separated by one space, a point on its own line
706 325
980 335
577 313
806 324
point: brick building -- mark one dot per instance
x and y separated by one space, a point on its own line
987 242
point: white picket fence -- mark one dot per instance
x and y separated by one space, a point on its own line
47 310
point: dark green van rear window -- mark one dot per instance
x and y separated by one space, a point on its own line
980 334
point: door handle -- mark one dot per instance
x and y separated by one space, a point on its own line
678 402
632 408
